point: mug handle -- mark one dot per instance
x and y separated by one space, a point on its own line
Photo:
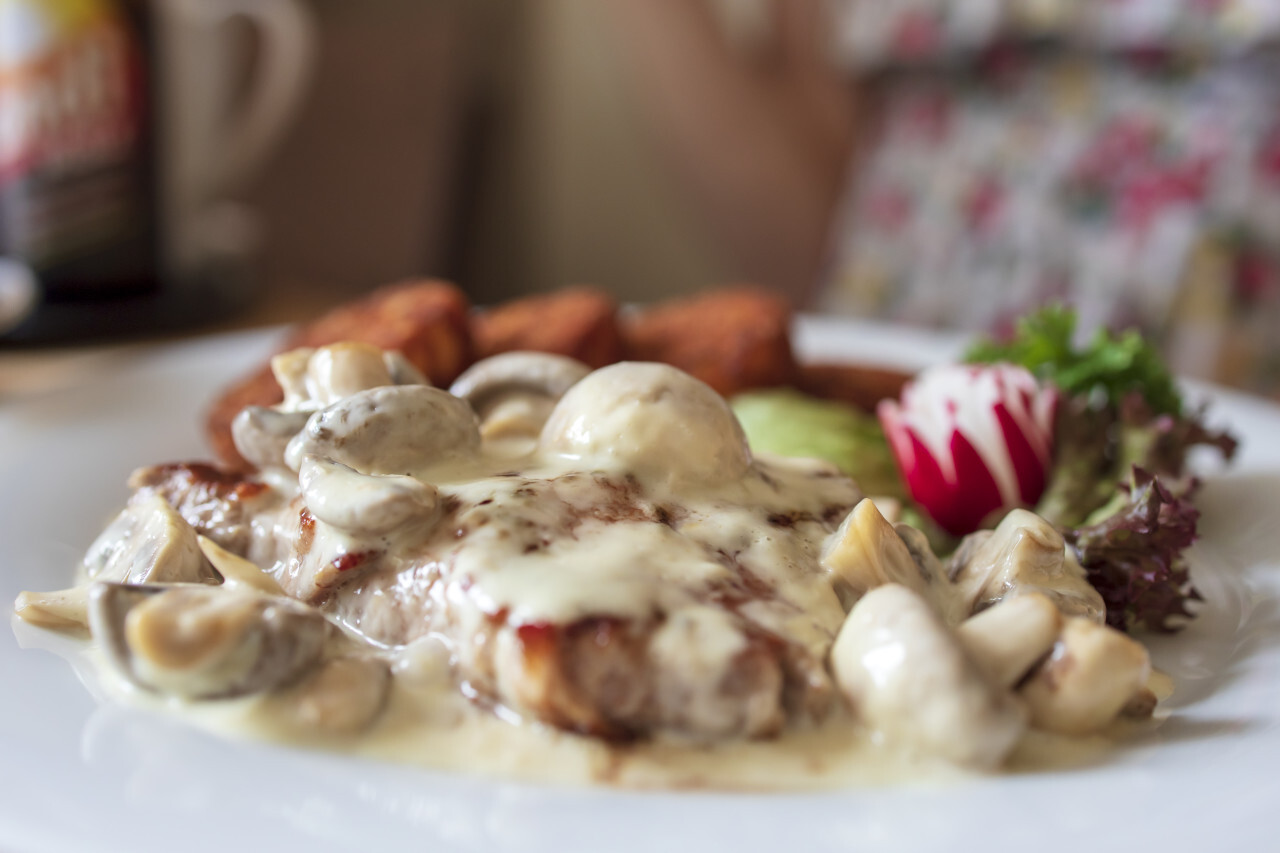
287 37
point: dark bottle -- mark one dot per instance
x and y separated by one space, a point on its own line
77 179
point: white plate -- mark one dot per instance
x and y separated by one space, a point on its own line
77 775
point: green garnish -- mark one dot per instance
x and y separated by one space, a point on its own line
1118 488
789 423
1114 365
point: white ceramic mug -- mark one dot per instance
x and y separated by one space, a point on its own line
211 142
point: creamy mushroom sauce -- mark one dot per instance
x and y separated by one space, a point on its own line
646 503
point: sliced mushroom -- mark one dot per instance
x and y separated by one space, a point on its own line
489 381
395 429
60 610
1008 639
1093 675
236 571
313 378
290 371
908 677
201 642
261 434
866 552
342 369
514 393
341 696
148 542
519 416
364 504
1023 554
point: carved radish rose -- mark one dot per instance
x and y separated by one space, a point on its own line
972 439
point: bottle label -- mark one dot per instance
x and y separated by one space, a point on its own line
74 195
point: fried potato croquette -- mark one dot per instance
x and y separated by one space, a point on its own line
428 321
733 339
579 322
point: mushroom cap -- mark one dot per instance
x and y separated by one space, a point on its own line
204 642
364 504
488 380
395 429
651 420
148 542
261 434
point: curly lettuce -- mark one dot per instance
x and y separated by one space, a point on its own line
1118 487
1132 554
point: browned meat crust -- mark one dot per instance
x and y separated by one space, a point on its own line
219 504
578 322
595 677
734 340
428 321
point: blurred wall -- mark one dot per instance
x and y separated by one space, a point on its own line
490 141
364 187
578 186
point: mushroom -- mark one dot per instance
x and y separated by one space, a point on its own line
290 370
1023 554
148 542
261 434
908 677
313 378
364 504
514 393
1094 674
60 610
342 369
394 429
1011 637
651 420
236 571
202 642
866 551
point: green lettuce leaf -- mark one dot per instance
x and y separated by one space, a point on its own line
1111 366
790 423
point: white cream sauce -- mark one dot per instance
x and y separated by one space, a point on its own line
427 723
642 504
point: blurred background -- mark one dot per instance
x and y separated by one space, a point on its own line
946 163
492 142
